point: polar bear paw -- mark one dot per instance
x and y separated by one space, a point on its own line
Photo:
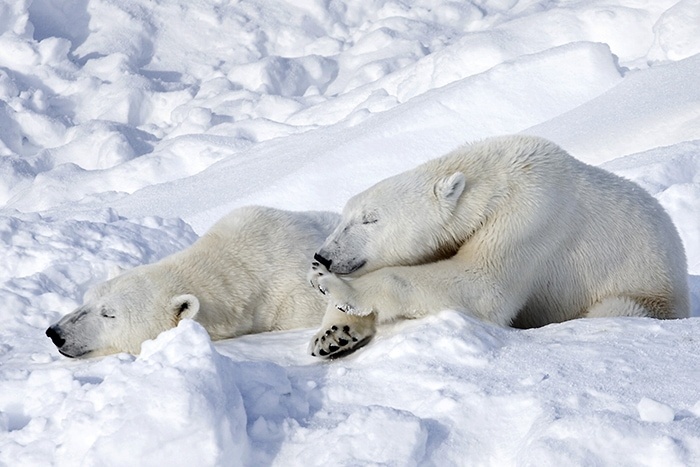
339 340
341 294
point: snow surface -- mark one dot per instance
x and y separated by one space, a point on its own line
128 127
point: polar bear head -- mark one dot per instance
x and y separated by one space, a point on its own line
118 315
403 220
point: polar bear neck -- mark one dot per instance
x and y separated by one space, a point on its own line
497 170
486 186
218 295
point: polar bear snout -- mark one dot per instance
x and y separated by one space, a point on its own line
340 266
54 333
325 262
70 334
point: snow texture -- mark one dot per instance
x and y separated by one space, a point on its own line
128 127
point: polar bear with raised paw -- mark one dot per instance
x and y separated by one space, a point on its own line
512 230
247 274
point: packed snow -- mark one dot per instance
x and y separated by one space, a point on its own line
128 127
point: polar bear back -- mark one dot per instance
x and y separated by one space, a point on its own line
585 234
260 255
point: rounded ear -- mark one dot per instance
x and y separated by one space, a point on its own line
184 306
449 189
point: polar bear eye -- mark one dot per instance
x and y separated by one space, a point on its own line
106 314
369 219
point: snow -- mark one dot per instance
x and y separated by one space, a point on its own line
127 128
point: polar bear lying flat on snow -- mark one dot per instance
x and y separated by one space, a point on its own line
247 274
511 230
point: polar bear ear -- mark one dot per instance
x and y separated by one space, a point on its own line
185 306
449 189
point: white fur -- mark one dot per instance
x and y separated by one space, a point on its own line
512 230
247 274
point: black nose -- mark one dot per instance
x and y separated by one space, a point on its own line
52 332
326 262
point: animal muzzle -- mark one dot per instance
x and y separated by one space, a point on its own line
325 262
54 333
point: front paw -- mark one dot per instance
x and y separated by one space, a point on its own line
339 340
343 296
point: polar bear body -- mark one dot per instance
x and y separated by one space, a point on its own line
512 230
247 274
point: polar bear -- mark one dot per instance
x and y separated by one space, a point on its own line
247 274
512 230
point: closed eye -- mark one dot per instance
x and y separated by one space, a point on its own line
105 314
370 218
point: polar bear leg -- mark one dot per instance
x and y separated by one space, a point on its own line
341 333
616 307
341 294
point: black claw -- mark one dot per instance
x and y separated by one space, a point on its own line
315 264
313 354
334 328
346 329
354 339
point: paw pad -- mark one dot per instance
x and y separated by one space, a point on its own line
337 341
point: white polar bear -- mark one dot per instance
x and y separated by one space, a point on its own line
511 230
247 274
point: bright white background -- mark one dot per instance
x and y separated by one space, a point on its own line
128 127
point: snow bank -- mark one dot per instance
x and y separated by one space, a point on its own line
649 108
175 404
444 390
